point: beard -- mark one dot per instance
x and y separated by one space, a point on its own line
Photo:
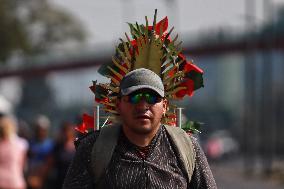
143 126
141 121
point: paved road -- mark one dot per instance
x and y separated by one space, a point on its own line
229 175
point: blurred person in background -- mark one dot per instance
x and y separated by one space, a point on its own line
40 155
64 152
220 146
13 155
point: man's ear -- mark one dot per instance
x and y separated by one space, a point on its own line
165 105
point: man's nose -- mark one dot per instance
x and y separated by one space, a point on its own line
142 104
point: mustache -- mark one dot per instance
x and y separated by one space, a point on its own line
138 113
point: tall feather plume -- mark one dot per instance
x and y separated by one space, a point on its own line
150 47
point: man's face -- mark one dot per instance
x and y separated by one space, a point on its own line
139 116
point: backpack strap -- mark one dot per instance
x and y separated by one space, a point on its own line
185 148
103 149
105 144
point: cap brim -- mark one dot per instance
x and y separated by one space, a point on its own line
132 89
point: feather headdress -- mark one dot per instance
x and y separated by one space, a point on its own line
150 47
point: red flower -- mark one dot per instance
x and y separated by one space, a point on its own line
181 93
172 72
159 26
88 123
100 100
181 56
157 30
188 66
189 84
134 43
172 119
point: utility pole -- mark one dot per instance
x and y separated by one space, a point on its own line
250 130
267 123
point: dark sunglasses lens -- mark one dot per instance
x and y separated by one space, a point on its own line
149 98
135 98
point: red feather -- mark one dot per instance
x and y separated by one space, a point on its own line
158 26
88 123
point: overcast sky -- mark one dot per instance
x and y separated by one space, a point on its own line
106 20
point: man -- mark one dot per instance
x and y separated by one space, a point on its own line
145 154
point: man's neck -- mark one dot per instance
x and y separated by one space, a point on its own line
139 139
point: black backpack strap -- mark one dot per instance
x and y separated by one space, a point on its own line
103 149
185 148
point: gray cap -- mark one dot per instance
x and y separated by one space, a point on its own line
141 79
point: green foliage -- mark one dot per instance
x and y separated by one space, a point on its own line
12 33
192 127
34 27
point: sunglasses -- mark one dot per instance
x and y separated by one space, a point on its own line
150 98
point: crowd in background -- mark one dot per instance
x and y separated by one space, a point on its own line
30 158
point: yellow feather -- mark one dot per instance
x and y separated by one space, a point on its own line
108 104
119 66
149 55
115 73
126 50
115 81
110 110
114 89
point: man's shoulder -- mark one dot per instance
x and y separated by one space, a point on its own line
180 131
91 137
86 140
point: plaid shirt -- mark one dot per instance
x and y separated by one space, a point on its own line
157 166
